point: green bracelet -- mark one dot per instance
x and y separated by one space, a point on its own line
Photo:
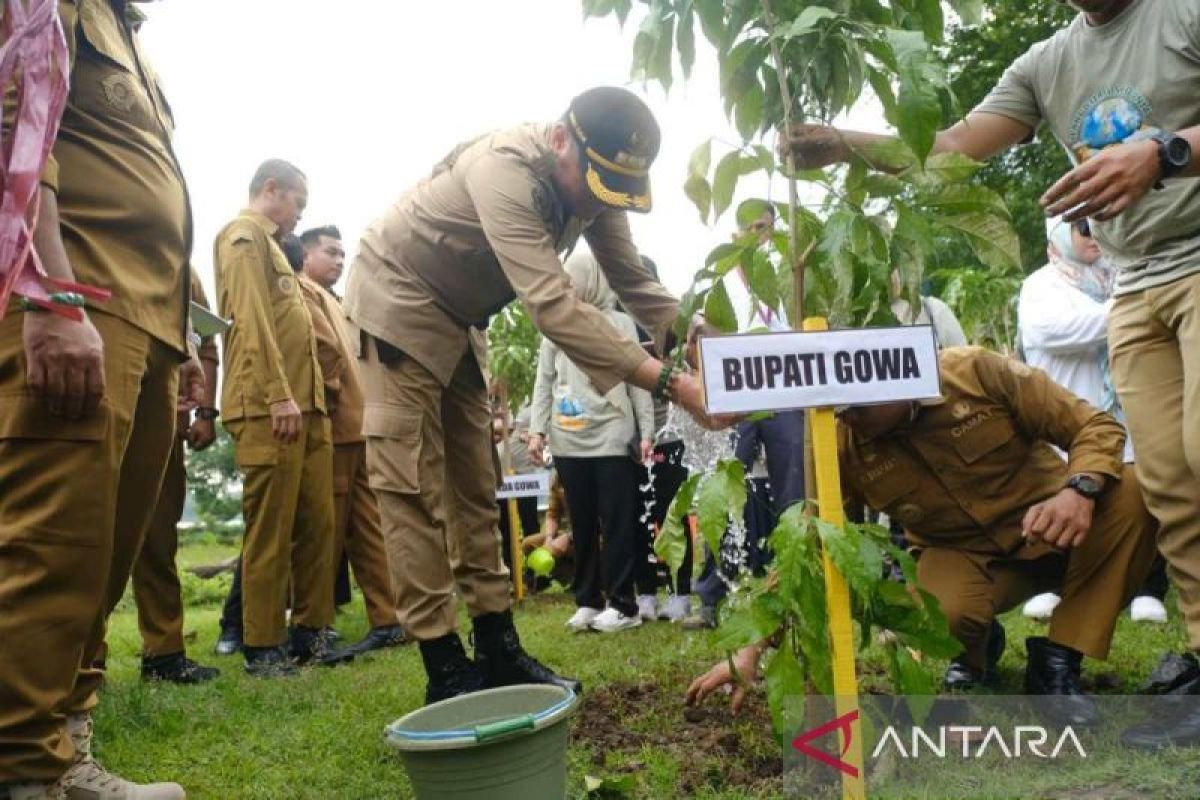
74 299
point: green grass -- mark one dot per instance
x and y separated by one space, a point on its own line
319 735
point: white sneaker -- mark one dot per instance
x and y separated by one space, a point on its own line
1147 609
676 608
610 620
34 791
647 607
1041 606
581 620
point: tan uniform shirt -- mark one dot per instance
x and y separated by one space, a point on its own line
966 470
124 208
337 353
208 345
271 351
487 227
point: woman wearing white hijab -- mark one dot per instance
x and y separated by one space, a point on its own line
1062 316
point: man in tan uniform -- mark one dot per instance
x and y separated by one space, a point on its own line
87 409
274 406
356 512
156 587
485 228
998 516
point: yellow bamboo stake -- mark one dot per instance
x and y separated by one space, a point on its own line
517 552
841 628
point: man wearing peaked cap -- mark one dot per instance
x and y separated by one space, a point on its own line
487 226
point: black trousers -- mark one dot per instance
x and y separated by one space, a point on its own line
602 494
231 614
527 512
658 488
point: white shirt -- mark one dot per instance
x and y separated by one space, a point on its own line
1062 333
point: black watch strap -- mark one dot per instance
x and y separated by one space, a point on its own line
1086 485
207 414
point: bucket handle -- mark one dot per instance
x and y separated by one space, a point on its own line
504 726
488 731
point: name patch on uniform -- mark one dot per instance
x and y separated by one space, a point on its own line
532 484
777 371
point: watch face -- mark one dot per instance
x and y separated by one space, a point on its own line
1179 152
1086 486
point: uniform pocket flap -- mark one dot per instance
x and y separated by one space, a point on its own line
24 416
388 422
976 440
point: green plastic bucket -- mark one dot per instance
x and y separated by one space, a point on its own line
500 744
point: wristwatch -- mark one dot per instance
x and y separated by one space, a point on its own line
207 414
1086 485
1174 155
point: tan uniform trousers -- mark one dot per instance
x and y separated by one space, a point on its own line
358 530
1154 345
75 502
1095 580
287 506
429 460
156 586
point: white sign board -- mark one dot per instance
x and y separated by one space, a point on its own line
778 371
531 484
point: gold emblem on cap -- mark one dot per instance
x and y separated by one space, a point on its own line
611 198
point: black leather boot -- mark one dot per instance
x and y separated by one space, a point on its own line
313 646
268 662
176 668
960 677
379 638
1053 670
1181 729
449 670
503 662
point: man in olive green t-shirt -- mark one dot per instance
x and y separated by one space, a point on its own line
1117 87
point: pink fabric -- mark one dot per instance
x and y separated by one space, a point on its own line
34 59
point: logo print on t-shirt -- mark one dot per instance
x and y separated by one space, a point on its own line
1110 116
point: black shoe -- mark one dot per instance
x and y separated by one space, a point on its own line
312 646
1181 729
1053 670
176 668
378 639
268 662
960 677
503 662
229 642
449 670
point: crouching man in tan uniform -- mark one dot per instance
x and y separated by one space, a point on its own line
998 516
488 226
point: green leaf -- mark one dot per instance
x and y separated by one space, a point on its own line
671 544
918 109
763 281
718 309
879 184
685 37
909 677
786 690
730 168
932 21
912 241
696 187
748 113
881 84
722 493
949 167
991 237
748 211
958 198
806 23
610 785
659 68
712 18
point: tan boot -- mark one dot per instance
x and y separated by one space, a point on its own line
87 780
34 791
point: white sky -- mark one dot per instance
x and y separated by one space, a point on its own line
367 95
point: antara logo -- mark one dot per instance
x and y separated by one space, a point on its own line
844 723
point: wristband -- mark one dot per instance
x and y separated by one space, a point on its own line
207 414
74 299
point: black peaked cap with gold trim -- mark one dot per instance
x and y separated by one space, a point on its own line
618 141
